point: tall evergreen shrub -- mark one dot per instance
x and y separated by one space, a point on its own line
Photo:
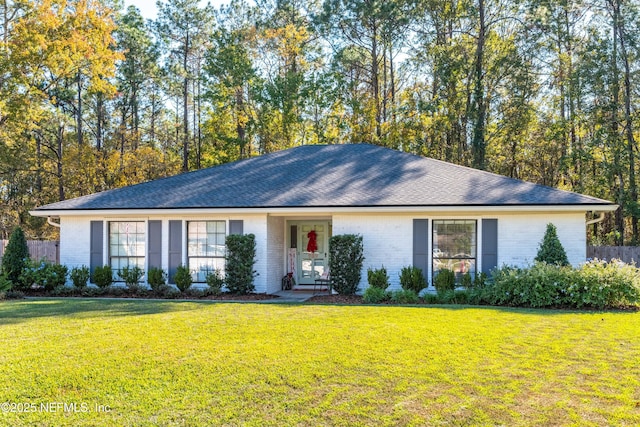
411 278
240 259
16 256
345 262
551 250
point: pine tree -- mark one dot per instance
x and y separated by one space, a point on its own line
551 250
15 256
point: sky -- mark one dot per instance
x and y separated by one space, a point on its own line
148 7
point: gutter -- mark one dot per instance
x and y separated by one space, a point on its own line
314 210
55 224
595 220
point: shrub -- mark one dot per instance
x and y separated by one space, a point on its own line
79 276
195 292
476 295
115 290
16 256
480 280
411 278
600 284
43 274
131 277
64 291
541 285
466 281
378 278
215 282
157 279
5 283
405 296
596 284
444 281
182 278
551 250
13 294
103 276
345 262
240 259
430 298
92 291
374 295
169 292
56 275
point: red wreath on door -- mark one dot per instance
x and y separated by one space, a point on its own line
312 246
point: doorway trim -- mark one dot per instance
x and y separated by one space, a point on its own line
306 266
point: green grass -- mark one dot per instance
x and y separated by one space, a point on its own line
190 363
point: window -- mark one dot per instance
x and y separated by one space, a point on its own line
126 244
206 247
454 246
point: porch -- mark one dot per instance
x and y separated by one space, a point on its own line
298 248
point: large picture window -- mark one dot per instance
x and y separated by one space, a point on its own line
454 246
206 247
126 244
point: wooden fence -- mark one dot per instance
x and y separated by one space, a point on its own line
628 254
38 249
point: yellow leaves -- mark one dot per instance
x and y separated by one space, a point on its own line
58 39
87 170
289 42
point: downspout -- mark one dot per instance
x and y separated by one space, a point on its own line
55 224
591 221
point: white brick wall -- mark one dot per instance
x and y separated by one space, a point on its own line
74 241
75 238
275 253
257 224
388 239
519 236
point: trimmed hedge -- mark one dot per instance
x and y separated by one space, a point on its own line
411 279
596 284
345 262
240 259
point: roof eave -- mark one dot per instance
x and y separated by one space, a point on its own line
301 210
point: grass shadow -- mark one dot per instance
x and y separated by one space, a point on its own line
23 310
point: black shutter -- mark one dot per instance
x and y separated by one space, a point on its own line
155 244
96 246
489 245
236 226
421 245
175 247
294 237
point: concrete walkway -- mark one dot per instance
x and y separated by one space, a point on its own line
292 296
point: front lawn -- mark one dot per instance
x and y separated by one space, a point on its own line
122 362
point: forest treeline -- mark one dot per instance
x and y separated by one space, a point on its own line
94 97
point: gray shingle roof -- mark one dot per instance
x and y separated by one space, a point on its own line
328 176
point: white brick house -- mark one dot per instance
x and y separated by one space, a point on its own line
410 211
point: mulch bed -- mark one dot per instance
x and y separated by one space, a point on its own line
151 295
336 299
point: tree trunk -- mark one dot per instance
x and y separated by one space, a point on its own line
99 120
633 189
619 215
375 81
79 110
478 142
185 108
60 138
240 122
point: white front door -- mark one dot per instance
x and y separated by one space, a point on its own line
312 258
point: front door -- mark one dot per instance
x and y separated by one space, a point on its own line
312 247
